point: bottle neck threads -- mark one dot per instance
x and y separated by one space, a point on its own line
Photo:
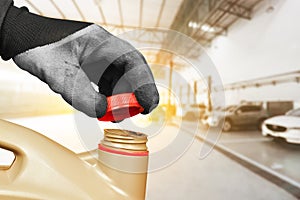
124 142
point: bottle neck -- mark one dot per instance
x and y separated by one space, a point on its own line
123 140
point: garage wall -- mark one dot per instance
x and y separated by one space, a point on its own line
266 45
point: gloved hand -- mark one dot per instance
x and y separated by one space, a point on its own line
68 55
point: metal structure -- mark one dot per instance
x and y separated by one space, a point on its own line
206 89
290 77
204 20
98 3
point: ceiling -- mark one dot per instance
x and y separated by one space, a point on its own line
201 20
135 13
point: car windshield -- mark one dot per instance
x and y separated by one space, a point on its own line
295 113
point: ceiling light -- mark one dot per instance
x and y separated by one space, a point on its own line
204 27
194 25
207 28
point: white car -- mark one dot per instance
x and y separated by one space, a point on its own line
285 126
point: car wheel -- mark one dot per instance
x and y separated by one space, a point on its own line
227 126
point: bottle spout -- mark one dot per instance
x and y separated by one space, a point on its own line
123 156
124 142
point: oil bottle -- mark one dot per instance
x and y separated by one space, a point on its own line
43 169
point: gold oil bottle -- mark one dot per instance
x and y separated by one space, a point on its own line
43 169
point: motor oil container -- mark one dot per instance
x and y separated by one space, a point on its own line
43 169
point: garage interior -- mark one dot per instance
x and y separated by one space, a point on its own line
212 60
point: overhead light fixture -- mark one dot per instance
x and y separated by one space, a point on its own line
204 27
207 28
194 25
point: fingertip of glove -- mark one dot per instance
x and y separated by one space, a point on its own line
148 97
145 112
100 105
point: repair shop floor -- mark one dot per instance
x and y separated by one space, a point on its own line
216 177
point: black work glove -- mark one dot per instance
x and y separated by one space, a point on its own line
68 55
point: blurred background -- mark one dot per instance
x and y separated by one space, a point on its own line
253 44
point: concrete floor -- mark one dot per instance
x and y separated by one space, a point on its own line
215 177
276 154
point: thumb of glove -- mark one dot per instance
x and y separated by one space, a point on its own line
64 78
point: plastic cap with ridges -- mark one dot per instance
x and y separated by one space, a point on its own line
121 106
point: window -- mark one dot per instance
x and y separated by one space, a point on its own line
250 108
295 113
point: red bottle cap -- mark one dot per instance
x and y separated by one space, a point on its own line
121 106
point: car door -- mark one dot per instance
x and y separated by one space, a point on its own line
239 116
249 114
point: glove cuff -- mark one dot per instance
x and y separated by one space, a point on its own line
22 30
4 5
